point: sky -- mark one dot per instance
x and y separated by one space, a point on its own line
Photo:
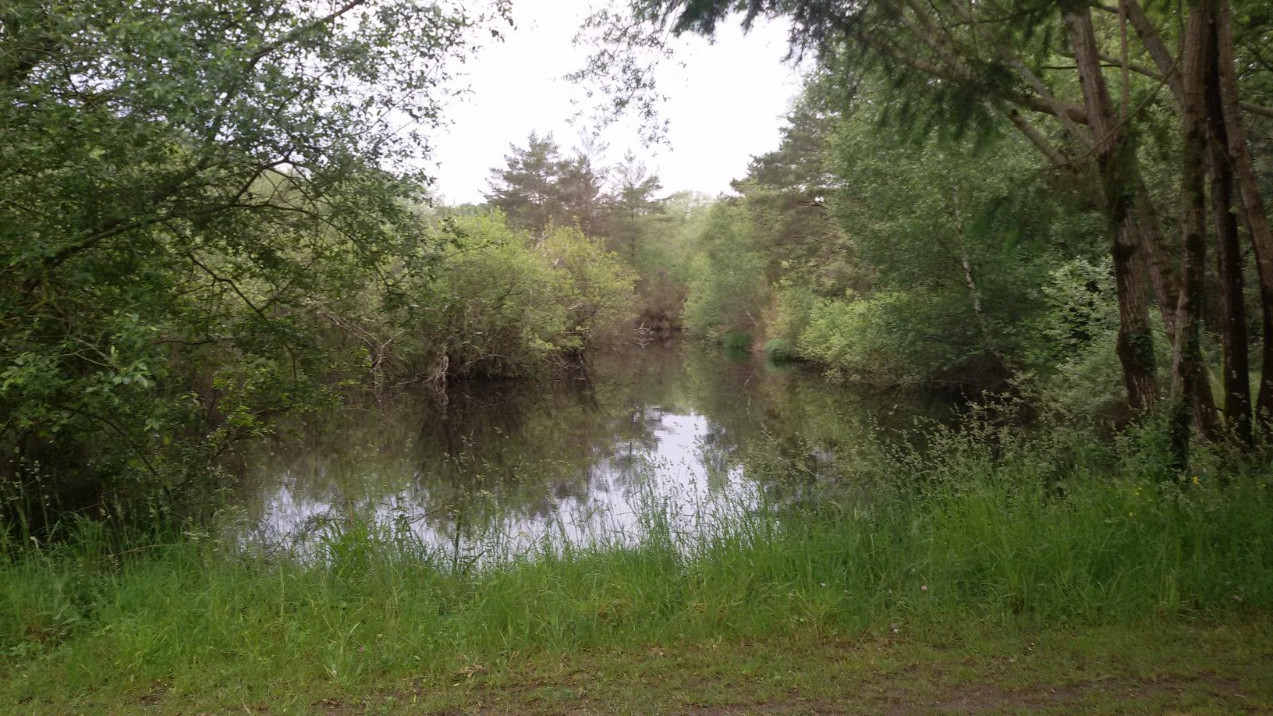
726 102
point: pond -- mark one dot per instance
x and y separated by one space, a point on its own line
673 440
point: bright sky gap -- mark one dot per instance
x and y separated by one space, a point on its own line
726 107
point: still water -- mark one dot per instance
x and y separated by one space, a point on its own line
671 440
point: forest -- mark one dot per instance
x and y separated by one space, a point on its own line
1049 215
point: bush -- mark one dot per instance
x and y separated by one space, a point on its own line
727 288
792 306
490 309
851 336
780 350
1071 345
593 285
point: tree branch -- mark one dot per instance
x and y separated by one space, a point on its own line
1257 109
1153 43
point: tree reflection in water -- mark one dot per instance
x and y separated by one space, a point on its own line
500 469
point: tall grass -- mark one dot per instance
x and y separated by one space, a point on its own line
982 528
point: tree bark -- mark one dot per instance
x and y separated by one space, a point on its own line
1153 43
1237 371
974 295
1162 270
1186 370
1165 283
1115 159
1252 202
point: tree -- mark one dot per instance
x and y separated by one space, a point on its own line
629 207
727 286
594 286
948 220
539 188
175 176
896 258
1048 69
786 194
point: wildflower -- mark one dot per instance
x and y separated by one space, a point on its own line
923 587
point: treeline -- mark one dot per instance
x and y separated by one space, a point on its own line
1013 176
894 259
886 259
208 221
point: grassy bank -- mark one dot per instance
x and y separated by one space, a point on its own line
973 560
1160 666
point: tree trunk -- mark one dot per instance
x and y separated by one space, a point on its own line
1252 202
1115 159
1163 279
970 281
1153 43
1187 372
1237 379
1162 270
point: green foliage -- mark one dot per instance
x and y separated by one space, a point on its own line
793 304
1073 342
962 228
737 344
785 194
543 193
1075 371
187 189
779 351
631 209
854 337
593 285
500 304
662 255
1080 308
887 259
727 288
539 188
488 310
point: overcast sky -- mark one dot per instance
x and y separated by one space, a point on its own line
724 106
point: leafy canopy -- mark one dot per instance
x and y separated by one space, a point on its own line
178 179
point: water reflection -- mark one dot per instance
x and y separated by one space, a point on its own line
653 440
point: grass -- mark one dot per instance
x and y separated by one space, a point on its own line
1162 666
989 584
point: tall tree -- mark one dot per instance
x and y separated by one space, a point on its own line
538 188
786 193
629 206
